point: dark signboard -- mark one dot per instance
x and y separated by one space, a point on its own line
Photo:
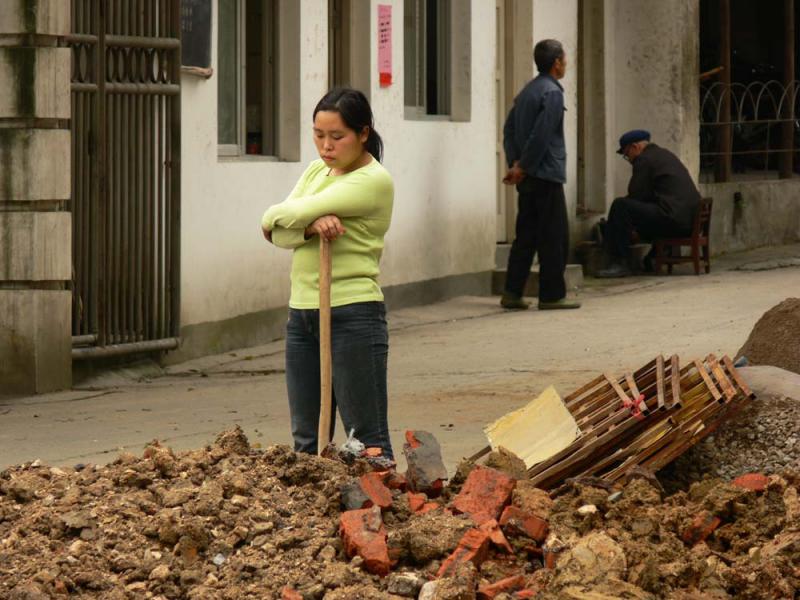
196 33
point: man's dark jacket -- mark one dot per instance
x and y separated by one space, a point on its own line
659 176
534 130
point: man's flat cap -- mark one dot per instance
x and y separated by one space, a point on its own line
631 137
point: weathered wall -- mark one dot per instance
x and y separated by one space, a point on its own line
652 77
235 286
768 214
35 227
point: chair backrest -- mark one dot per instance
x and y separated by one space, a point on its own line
702 218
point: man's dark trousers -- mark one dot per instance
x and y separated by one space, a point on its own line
646 218
541 227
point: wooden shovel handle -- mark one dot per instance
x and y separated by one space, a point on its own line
325 375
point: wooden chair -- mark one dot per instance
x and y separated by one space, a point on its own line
668 251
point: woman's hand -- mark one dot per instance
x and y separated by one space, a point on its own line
328 227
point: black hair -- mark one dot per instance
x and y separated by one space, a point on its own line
356 113
545 54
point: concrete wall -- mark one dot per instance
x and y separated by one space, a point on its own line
652 77
558 19
235 286
768 214
35 227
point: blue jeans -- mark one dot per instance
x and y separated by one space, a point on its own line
359 353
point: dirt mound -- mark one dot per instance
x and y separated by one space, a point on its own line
775 339
229 522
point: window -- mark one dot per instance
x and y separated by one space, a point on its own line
749 98
257 100
436 49
347 47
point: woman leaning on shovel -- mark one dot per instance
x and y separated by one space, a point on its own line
345 199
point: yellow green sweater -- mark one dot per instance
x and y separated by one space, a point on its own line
362 199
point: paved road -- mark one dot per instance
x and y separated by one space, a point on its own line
454 367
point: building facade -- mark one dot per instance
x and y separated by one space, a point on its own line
224 140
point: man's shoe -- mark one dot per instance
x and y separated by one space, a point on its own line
615 270
559 304
513 302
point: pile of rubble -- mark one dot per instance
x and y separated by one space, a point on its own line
230 522
775 338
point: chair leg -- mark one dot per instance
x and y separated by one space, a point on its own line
706 258
696 257
658 263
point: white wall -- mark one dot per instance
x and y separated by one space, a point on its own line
558 19
443 222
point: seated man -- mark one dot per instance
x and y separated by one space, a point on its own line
661 202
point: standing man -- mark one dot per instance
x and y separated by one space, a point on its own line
661 202
533 138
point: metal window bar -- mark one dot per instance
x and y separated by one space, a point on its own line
126 176
758 111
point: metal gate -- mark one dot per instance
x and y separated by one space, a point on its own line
125 175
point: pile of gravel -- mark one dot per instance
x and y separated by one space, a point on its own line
763 437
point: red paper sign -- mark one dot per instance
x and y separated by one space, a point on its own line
385 44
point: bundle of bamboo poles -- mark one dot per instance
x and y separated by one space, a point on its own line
646 418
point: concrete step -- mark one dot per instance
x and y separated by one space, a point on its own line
501 255
573 275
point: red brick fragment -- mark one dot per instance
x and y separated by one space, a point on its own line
428 507
702 526
496 535
373 488
473 547
411 440
525 594
504 586
486 491
363 533
289 593
520 522
394 480
755 482
416 501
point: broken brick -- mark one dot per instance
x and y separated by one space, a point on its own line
518 521
375 490
426 470
473 548
755 482
364 534
504 586
353 496
484 494
428 507
525 594
416 501
702 526
289 593
394 480
496 535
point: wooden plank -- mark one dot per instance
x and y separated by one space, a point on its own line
737 377
660 382
635 394
675 379
577 394
707 380
721 378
